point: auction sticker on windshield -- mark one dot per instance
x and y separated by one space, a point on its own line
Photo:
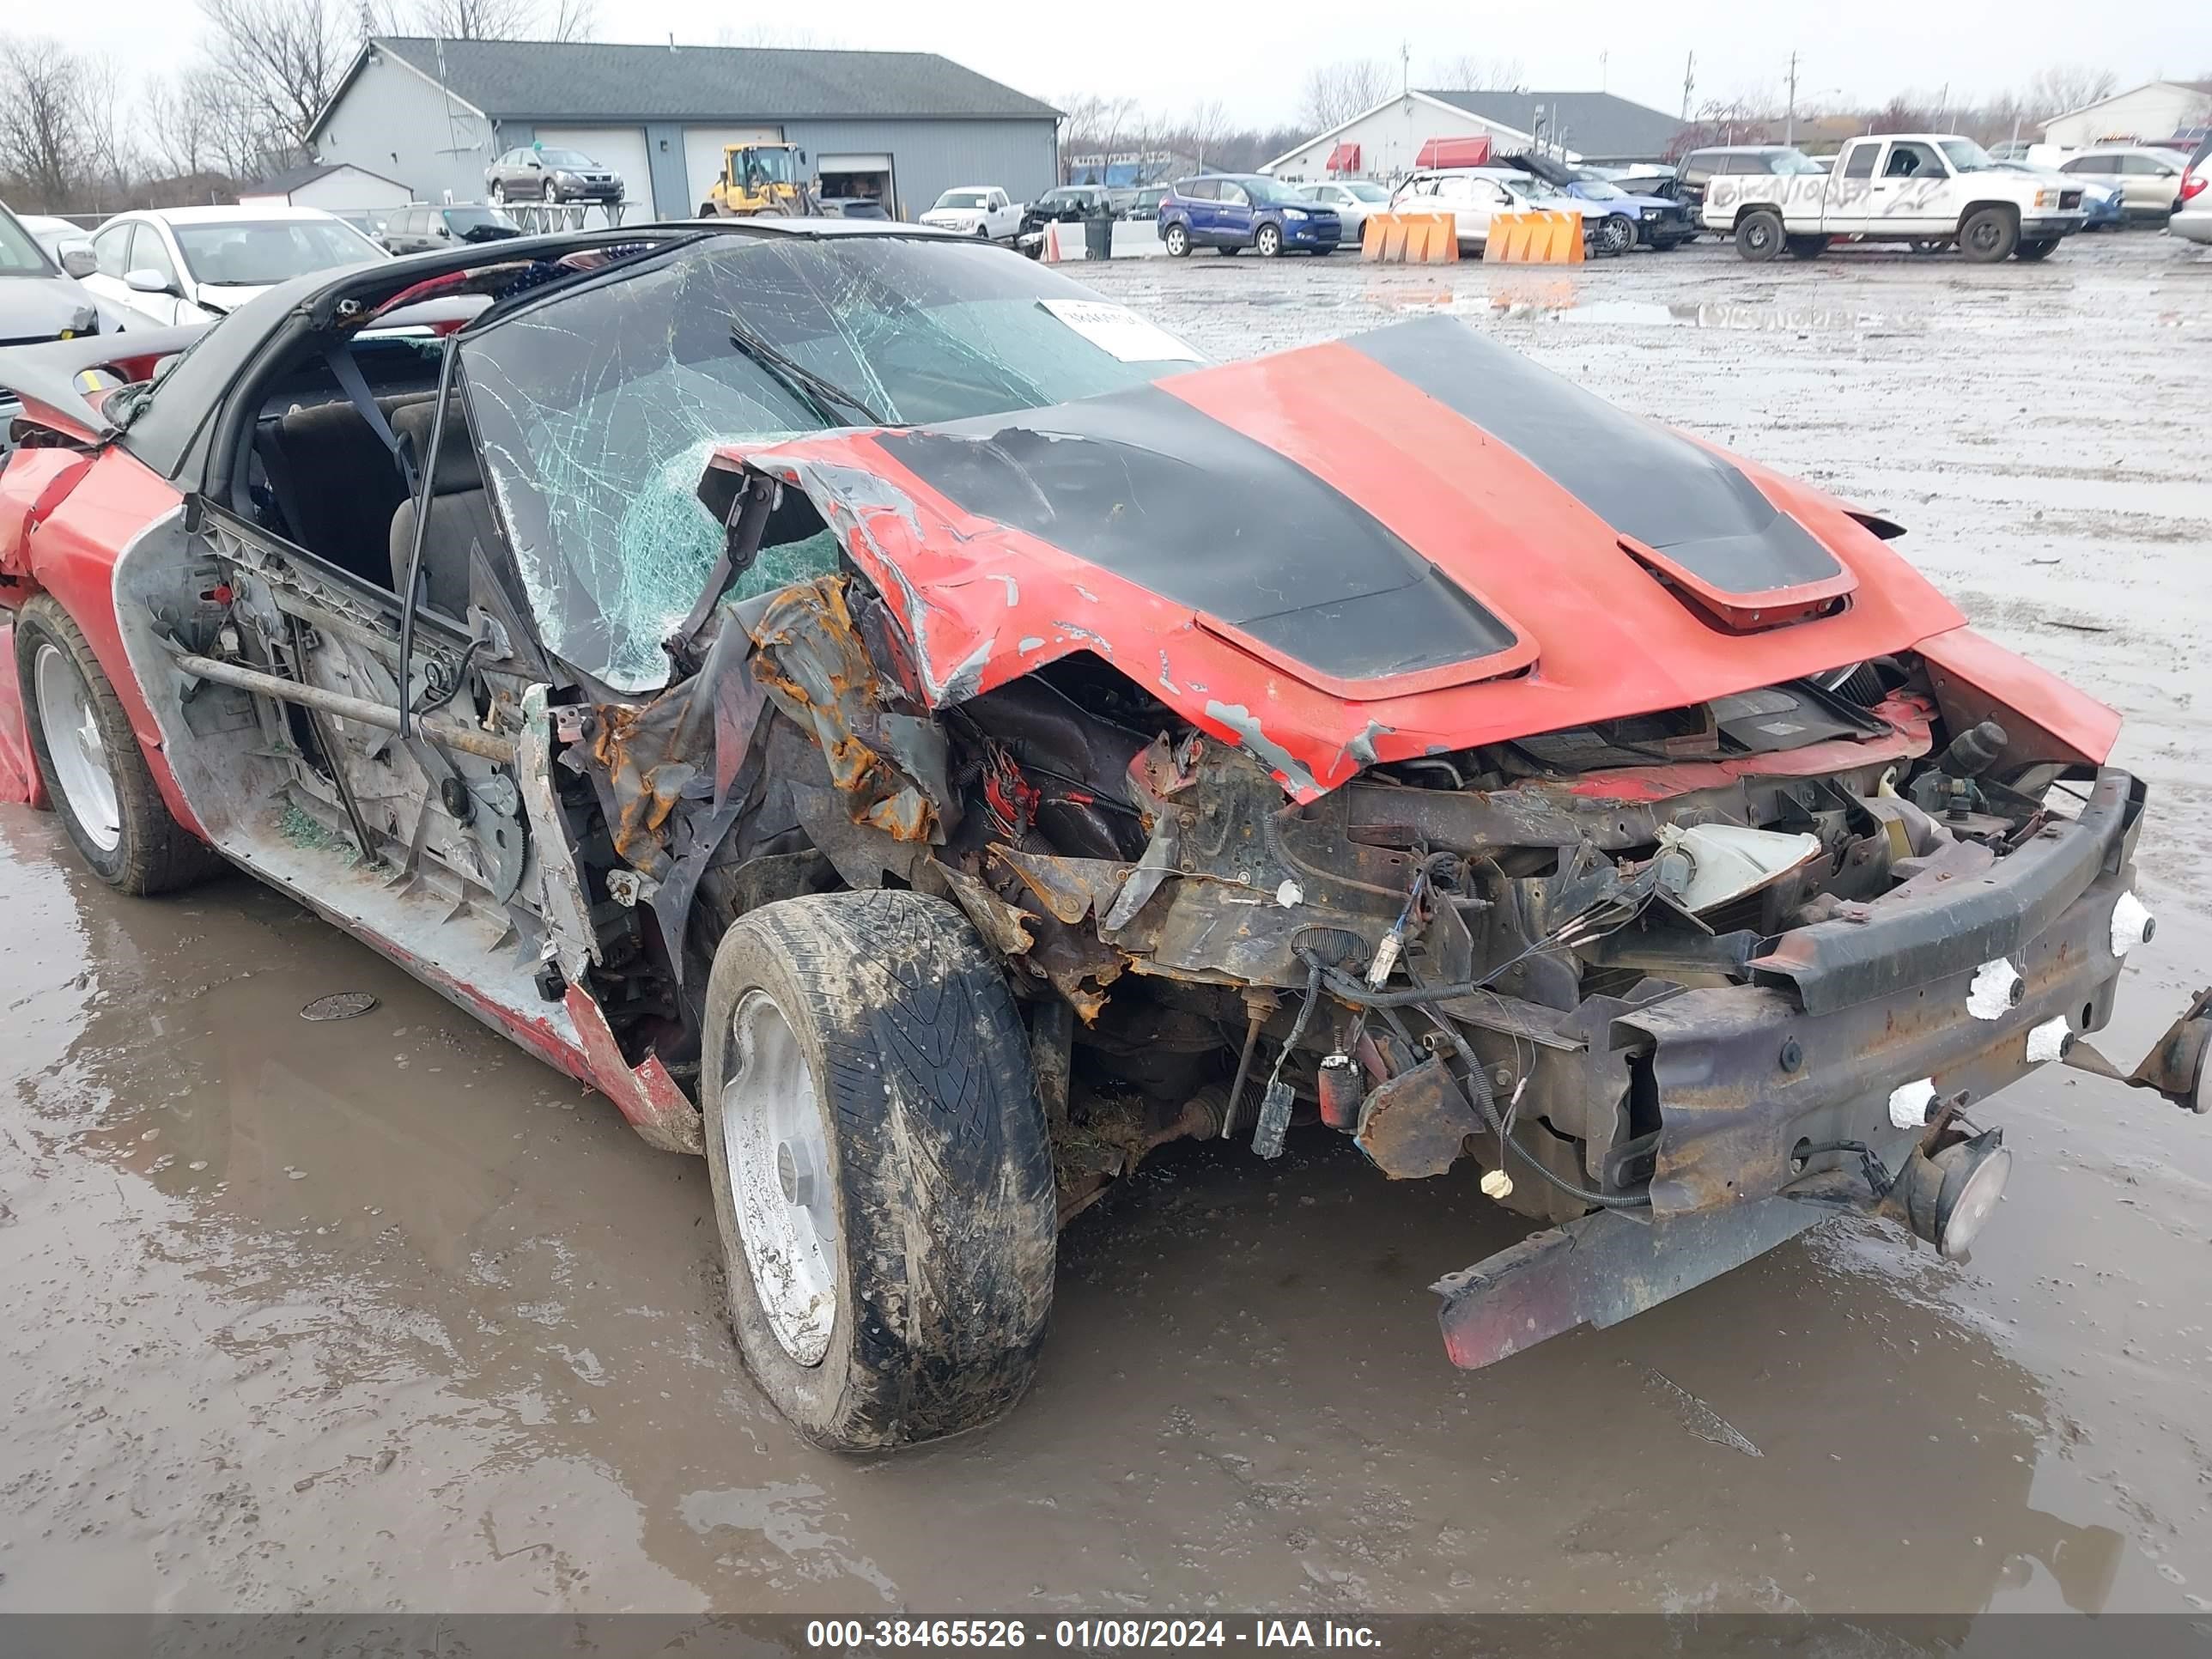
1120 331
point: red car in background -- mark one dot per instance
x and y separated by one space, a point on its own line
902 728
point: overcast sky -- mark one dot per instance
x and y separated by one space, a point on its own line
1169 56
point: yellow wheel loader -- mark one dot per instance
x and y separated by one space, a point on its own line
761 179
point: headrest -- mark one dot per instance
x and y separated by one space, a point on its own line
457 459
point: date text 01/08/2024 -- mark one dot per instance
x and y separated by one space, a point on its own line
1084 1635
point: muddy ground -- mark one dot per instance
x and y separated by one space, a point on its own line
383 1315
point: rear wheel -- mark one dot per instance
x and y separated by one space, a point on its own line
1759 235
1267 241
882 1173
2040 247
498 192
1178 237
1988 236
90 763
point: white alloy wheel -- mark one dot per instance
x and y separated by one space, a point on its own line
781 1179
72 735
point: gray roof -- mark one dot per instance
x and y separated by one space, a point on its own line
587 80
292 178
1587 123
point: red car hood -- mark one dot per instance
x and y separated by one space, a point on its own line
1407 542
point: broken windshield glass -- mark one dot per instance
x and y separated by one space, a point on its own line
595 410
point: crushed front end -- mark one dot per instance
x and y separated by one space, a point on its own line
1687 884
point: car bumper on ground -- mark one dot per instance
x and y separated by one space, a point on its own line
1851 1032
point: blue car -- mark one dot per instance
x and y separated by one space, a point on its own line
1619 219
2101 203
1232 211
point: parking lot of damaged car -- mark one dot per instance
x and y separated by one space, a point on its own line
373 1313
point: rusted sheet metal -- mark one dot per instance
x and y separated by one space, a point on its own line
1416 1123
1744 1074
651 753
1600 1270
656 1107
888 766
2176 1064
1006 928
1071 889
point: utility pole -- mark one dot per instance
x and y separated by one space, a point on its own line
1789 126
1689 84
1602 56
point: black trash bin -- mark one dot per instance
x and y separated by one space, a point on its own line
1098 236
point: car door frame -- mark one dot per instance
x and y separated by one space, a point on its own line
1236 223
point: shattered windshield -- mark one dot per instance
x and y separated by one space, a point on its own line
596 411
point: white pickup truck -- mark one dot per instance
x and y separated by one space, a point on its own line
1916 187
983 210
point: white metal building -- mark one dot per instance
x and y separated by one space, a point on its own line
1382 142
2140 115
336 187
898 125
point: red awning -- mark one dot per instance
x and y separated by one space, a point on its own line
1345 158
1453 153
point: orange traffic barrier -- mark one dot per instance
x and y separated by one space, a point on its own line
1409 239
1535 238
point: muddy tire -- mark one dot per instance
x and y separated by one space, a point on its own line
1808 247
881 1170
1178 237
1988 236
1759 235
90 763
2038 247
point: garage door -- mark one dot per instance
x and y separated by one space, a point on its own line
702 155
623 149
858 175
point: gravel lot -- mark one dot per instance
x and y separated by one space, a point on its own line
382 1314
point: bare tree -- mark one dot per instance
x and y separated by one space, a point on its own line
42 142
472 20
181 120
1202 129
111 125
1334 92
1465 72
2064 86
571 20
281 60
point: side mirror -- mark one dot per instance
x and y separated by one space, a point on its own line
148 281
78 259
534 165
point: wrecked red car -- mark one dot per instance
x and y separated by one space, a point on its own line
902 727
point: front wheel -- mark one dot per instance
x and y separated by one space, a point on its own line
881 1173
1989 236
1267 241
2041 247
90 763
1759 236
1615 235
1178 237
551 194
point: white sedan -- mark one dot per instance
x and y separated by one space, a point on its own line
189 264
982 210
1472 195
